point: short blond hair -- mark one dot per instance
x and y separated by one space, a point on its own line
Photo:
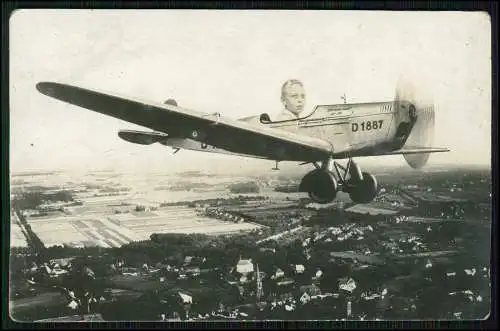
289 83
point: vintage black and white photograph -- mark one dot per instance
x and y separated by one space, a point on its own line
249 165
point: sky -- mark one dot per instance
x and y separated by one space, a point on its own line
234 62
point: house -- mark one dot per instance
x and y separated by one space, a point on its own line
73 304
53 272
318 274
244 266
243 279
64 262
89 272
310 290
187 260
193 271
299 268
185 298
347 284
278 274
194 260
304 298
58 271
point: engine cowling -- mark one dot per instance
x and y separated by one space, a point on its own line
321 186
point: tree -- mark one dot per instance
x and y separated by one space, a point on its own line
81 280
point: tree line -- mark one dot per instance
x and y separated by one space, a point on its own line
33 199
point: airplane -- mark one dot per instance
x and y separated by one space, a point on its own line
331 132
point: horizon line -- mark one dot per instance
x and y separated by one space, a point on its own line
205 170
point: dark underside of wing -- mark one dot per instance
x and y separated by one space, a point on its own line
231 135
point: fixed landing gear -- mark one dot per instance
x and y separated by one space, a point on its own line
322 185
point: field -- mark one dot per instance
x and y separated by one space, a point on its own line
97 223
431 263
17 237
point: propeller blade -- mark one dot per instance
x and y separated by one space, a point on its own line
422 133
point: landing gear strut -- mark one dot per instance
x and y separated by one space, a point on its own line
361 186
322 184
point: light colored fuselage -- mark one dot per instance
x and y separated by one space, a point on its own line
347 127
351 127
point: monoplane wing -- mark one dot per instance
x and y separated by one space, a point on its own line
230 135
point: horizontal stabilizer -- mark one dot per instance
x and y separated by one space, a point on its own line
415 150
141 137
416 157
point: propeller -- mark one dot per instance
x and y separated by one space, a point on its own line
422 134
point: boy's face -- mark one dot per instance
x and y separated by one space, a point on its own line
294 98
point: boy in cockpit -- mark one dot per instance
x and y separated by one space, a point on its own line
293 98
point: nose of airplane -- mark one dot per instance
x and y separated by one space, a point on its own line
421 110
